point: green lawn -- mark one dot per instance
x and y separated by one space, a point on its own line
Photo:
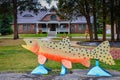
45 35
33 35
79 35
15 58
71 35
27 35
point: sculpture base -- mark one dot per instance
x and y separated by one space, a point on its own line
97 71
63 71
40 70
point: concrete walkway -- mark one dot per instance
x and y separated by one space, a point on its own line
75 75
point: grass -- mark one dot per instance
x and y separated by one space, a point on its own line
79 35
15 58
100 35
45 35
27 35
70 35
33 35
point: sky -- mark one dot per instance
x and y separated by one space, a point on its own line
43 3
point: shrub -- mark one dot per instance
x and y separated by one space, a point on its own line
5 27
99 31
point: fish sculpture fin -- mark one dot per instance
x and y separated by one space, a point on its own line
41 59
65 42
102 52
67 63
85 62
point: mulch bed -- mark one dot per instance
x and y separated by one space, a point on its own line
115 52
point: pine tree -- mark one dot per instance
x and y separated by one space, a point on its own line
5 27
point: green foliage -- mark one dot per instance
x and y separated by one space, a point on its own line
99 31
6 7
10 7
31 5
5 27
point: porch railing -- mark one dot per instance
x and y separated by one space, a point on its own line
62 30
44 29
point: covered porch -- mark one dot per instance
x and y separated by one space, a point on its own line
53 27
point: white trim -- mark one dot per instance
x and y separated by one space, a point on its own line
37 30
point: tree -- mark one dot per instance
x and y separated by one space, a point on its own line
15 19
74 8
117 18
104 8
21 5
5 27
6 18
112 19
87 15
95 6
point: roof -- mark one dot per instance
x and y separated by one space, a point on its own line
33 18
80 19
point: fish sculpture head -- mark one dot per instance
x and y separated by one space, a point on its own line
32 45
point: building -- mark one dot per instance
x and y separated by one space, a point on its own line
47 21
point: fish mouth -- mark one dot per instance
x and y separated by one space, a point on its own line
26 46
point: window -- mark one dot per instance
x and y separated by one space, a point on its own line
43 25
63 26
82 27
27 15
53 17
26 27
72 28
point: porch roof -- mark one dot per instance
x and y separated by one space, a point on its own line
24 21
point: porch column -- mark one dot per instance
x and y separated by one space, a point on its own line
37 30
47 29
57 30
68 28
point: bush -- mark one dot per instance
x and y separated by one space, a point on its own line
99 31
5 27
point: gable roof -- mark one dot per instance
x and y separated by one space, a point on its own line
41 14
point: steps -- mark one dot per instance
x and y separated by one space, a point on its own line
52 33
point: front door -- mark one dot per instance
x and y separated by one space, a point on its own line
52 31
52 28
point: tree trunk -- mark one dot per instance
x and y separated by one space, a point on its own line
90 28
88 19
95 26
112 20
104 28
15 20
118 31
104 21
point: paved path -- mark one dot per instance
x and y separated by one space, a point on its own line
75 75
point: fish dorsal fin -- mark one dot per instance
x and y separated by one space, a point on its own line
65 42
102 52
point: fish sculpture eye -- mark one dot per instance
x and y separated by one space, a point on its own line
30 41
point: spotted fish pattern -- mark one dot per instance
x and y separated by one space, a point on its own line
55 51
101 52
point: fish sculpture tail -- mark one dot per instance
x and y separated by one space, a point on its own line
102 53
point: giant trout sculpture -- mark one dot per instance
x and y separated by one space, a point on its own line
64 53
